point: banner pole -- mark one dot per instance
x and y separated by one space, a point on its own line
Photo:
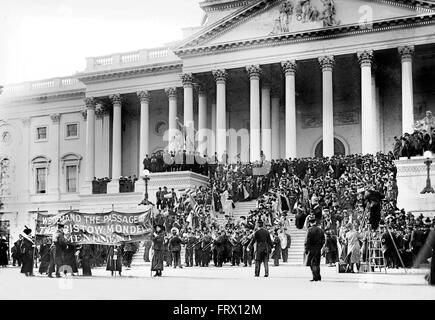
35 260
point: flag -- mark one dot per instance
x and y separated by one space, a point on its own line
245 193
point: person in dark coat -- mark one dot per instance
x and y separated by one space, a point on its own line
70 259
114 260
175 243
313 246
4 261
264 244
221 247
44 256
331 248
86 255
158 239
276 254
57 249
27 252
206 248
146 256
15 253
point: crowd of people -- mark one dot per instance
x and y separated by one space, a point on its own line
352 199
126 184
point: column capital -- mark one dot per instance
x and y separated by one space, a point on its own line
200 89
90 103
116 99
84 114
171 92
187 79
365 58
254 71
289 67
101 110
144 96
326 62
275 93
55 118
406 53
220 75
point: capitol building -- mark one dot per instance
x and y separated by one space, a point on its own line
292 78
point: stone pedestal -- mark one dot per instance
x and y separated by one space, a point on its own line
411 180
86 188
113 186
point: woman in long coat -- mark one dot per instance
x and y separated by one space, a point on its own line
114 259
44 254
85 256
27 252
331 248
158 239
353 248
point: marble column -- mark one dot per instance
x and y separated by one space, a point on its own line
376 106
144 138
289 68
368 112
172 96
203 136
187 80
106 143
221 116
254 72
113 186
266 130
90 147
406 55
275 125
53 189
327 64
213 130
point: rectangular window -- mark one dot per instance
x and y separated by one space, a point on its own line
41 178
71 179
71 130
41 133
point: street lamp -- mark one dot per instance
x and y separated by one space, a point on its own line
146 178
428 162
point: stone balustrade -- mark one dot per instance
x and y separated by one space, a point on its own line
46 86
139 57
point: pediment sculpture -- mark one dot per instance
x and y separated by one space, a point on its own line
304 11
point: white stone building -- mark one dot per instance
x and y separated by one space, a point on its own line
305 78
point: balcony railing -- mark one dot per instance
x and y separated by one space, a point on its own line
140 57
46 86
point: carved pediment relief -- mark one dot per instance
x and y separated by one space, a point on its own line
275 17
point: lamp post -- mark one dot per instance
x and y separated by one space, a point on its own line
428 162
146 178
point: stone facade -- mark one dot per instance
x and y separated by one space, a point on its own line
379 83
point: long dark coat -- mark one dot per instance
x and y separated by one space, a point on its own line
44 253
69 258
86 254
264 243
114 265
26 250
276 254
159 250
313 245
3 253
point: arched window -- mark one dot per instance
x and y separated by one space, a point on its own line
71 170
339 148
40 168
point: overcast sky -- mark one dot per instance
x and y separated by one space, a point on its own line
49 38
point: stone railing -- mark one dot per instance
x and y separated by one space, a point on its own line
140 57
46 86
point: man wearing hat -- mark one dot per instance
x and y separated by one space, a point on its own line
313 246
175 247
264 246
56 251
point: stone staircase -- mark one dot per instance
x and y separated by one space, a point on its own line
296 251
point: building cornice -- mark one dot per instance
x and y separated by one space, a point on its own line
132 72
45 97
316 34
210 6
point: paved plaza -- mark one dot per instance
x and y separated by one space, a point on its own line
227 283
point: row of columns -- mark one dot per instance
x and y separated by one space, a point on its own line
264 113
